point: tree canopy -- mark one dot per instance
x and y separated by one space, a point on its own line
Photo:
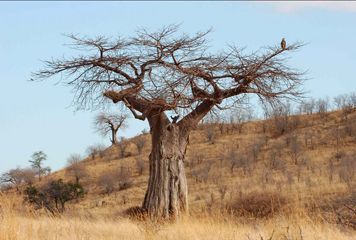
154 72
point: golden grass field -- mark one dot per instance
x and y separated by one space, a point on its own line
31 226
257 202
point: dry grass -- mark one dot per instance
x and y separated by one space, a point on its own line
32 226
303 203
29 226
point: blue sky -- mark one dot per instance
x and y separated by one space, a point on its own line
39 116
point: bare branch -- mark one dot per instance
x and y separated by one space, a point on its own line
160 71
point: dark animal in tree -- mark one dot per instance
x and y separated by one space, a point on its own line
283 44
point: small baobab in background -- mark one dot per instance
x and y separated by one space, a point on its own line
109 124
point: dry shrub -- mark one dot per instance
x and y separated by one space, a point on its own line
140 166
258 205
124 178
210 133
339 210
136 213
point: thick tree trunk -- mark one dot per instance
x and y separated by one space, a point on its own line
167 191
114 140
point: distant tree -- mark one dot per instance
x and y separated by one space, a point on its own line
322 106
280 119
75 169
122 146
16 177
221 125
29 175
110 124
96 150
37 161
295 149
140 142
353 99
153 74
5 187
341 101
344 102
209 131
238 119
107 180
13 177
140 165
237 160
308 106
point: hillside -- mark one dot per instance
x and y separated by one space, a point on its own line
297 167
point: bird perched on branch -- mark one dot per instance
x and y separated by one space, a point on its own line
283 44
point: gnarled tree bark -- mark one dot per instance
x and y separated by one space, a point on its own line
167 191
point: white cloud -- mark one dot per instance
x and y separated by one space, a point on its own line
297 6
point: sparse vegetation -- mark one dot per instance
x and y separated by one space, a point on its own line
96 151
140 143
16 177
115 179
140 165
275 165
54 195
245 184
75 168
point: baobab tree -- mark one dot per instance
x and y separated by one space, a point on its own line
110 124
162 75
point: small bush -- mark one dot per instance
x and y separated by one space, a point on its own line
115 179
258 205
107 181
136 213
124 179
97 150
140 166
209 132
53 195
347 170
140 143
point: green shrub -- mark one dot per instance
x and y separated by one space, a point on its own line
53 195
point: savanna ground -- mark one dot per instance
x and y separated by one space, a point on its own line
289 177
